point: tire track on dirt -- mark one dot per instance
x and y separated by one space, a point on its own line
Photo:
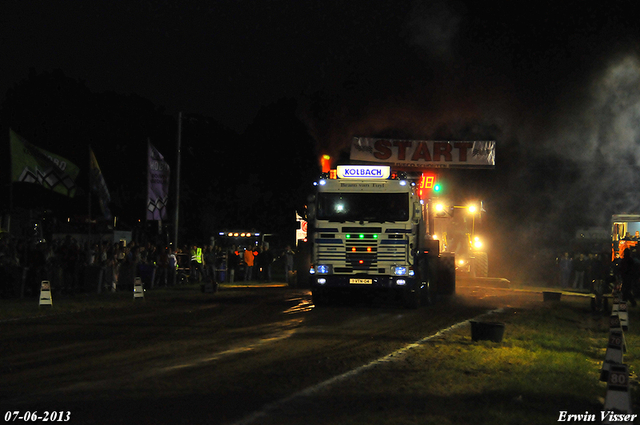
396 355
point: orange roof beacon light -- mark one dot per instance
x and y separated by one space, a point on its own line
325 163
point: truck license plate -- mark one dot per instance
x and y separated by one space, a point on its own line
361 281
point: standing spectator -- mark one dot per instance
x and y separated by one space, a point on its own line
257 262
90 251
248 260
196 265
629 273
288 263
172 266
598 271
260 262
232 263
267 260
162 266
210 263
121 252
580 266
153 252
70 252
566 266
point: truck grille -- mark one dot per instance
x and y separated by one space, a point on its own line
362 253
362 250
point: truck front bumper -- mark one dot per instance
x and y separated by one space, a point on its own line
361 281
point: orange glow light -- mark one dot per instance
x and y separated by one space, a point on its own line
325 163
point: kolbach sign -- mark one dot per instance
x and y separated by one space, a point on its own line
425 153
377 172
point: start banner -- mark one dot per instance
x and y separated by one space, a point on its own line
425 153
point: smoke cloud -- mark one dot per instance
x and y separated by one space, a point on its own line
562 100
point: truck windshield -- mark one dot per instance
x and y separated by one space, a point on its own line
377 207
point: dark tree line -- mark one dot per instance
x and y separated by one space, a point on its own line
252 180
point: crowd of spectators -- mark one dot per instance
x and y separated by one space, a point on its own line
73 266
580 270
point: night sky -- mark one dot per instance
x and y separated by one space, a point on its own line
226 58
555 83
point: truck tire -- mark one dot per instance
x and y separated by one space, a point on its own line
427 297
481 265
427 273
422 294
446 274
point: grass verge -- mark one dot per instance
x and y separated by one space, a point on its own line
548 362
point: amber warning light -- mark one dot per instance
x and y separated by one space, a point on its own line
325 163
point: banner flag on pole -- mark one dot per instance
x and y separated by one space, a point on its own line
158 184
99 185
30 164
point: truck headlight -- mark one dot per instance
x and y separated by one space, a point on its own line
399 270
323 269
477 243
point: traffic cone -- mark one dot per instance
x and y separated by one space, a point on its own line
138 289
45 293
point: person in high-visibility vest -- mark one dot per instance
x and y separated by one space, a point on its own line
248 262
196 263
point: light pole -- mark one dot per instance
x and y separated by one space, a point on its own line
472 211
177 206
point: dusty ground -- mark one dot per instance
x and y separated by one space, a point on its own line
244 355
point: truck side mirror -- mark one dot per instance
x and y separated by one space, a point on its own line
417 212
311 207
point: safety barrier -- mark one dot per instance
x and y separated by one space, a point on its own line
617 402
45 293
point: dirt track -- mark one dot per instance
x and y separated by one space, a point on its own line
194 358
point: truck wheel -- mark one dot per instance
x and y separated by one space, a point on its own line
481 265
446 275
424 277
427 295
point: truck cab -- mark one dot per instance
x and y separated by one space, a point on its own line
625 233
369 233
456 227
